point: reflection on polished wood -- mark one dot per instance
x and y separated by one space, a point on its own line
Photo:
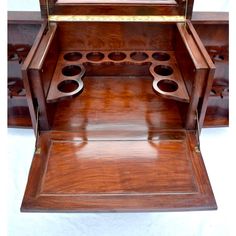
162 173
116 105
70 71
90 168
118 145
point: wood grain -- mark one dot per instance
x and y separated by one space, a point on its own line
163 173
21 35
129 106
118 146
122 63
214 35
168 7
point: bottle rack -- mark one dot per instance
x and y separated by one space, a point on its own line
73 66
220 57
16 55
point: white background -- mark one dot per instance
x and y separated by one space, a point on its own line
218 149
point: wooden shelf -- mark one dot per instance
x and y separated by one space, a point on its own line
71 68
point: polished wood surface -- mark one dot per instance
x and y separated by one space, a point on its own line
127 7
162 173
21 35
118 36
161 66
107 140
185 45
215 36
117 106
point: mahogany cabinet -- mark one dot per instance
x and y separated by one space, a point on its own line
117 92
22 30
213 29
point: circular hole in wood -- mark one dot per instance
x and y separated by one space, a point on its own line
163 70
213 92
218 57
22 92
67 86
95 56
211 50
139 56
72 56
71 70
11 82
12 56
167 85
117 56
161 56
20 49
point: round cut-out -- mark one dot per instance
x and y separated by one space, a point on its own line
20 49
161 56
139 56
71 70
163 70
167 85
218 57
72 56
67 86
95 56
117 56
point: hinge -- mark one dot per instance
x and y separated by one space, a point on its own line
186 13
48 15
37 149
197 147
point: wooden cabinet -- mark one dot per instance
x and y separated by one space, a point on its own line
117 95
213 29
21 35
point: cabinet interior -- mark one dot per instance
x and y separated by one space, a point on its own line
116 105
100 76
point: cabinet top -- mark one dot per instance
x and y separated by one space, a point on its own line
122 10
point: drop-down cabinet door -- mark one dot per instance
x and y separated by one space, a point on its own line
164 173
117 127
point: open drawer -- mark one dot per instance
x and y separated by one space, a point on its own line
117 118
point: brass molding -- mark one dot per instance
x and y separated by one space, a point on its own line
115 18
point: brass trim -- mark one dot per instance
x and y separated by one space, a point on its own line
115 18
37 131
198 132
186 12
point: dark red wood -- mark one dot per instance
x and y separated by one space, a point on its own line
159 174
118 145
22 30
120 106
213 29
167 79
127 7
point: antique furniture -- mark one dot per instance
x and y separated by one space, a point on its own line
22 30
213 29
117 92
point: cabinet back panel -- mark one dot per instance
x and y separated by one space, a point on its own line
115 36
